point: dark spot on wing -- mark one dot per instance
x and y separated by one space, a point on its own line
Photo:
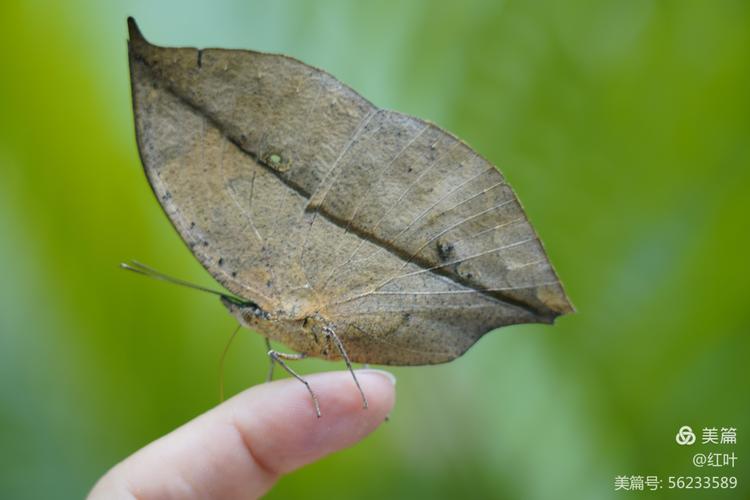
445 250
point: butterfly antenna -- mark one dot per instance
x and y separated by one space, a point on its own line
145 270
221 363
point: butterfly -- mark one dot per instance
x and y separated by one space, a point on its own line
340 229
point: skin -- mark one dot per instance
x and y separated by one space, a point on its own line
240 448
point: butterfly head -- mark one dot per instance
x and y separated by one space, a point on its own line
247 312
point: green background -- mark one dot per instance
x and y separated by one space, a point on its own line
624 127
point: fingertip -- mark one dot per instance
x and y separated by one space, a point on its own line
388 376
381 392
281 428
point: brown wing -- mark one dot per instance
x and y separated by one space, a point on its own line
297 193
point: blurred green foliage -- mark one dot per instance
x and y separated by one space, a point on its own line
624 126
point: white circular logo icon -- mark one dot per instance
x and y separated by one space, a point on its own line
685 436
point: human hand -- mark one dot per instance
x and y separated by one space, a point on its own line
240 448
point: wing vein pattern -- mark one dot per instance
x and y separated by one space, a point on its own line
300 195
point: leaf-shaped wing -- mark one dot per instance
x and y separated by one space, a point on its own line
297 193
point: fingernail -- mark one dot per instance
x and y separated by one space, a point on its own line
391 377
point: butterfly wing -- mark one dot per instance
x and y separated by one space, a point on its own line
300 195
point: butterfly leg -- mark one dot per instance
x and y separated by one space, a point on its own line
271 364
279 357
328 332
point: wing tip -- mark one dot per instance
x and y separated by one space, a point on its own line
134 33
562 309
556 301
566 308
